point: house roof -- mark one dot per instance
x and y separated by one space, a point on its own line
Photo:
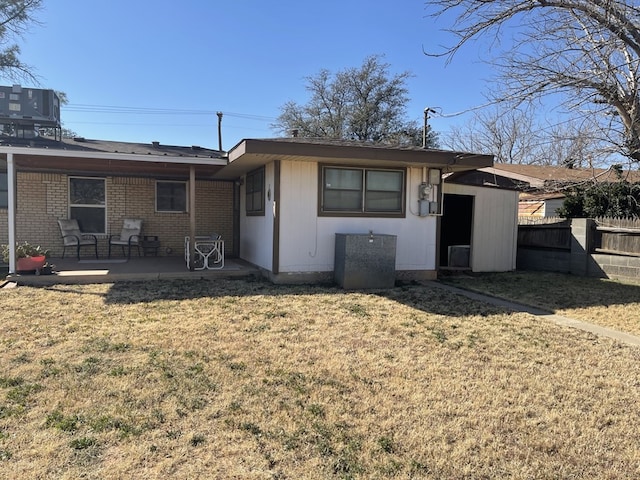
540 197
81 144
540 176
545 178
91 157
249 154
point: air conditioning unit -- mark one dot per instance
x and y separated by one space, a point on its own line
29 106
459 256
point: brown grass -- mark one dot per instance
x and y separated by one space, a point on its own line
610 303
237 379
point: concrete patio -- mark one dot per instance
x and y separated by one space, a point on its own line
91 270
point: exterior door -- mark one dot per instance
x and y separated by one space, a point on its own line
456 231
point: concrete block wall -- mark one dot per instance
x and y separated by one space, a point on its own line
42 199
543 260
616 266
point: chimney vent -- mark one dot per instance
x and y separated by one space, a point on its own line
155 144
295 132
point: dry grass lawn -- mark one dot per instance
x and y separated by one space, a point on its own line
609 303
247 380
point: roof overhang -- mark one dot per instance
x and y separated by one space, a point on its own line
113 164
532 181
250 154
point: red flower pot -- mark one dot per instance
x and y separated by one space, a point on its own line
29 264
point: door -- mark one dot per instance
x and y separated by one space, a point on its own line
456 230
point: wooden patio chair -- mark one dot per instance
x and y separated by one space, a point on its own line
130 236
73 237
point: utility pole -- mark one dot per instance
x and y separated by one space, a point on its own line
425 130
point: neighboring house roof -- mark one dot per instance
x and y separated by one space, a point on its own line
537 197
537 178
249 154
549 176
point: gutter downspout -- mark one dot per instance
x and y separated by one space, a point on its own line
11 204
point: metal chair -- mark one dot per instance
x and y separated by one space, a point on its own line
130 236
73 237
208 252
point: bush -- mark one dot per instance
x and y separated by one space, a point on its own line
24 250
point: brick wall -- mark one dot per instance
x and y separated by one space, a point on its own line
42 199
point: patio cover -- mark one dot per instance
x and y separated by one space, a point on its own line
96 157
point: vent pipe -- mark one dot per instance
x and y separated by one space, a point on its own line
219 130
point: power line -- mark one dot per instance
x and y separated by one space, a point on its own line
172 125
125 110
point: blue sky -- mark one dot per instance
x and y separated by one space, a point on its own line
173 64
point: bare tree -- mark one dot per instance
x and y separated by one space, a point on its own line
588 52
516 135
364 103
509 136
16 16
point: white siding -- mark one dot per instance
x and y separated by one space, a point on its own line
551 206
307 242
495 227
256 233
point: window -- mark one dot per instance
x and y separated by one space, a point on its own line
255 192
87 203
362 191
171 196
4 188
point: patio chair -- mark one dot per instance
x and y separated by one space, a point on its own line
73 237
208 252
130 236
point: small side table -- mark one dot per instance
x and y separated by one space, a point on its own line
150 245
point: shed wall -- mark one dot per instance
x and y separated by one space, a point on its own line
495 227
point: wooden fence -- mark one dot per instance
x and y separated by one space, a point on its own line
617 236
551 232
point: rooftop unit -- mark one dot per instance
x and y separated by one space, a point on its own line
29 107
